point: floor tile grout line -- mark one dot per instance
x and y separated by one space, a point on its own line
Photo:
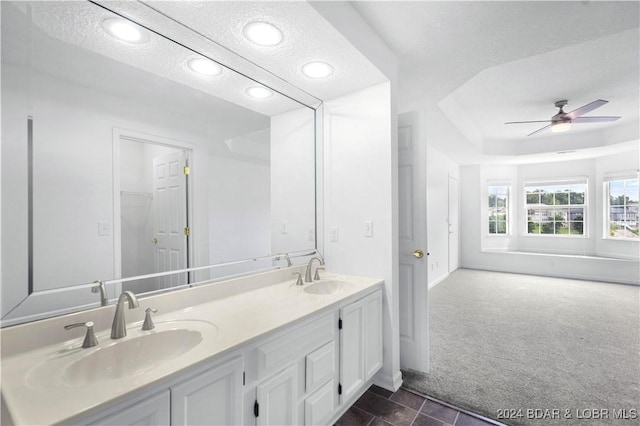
459 410
456 419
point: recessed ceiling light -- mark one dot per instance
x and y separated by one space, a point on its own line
259 92
124 30
317 69
204 66
262 33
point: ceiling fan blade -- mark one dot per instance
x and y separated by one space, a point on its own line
594 119
539 130
585 109
523 122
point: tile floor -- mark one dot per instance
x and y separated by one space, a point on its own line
380 407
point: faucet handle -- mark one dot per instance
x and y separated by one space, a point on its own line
316 276
90 339
148 322
299 279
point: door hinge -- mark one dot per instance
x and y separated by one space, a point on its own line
187 231
339 323
244 378
186 170
256 409
339 389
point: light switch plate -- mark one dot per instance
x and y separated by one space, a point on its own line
283 227
104 230
334 234
368 228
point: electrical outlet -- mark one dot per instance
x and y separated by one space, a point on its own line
334 234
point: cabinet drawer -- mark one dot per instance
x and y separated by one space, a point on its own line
319 407
281 351
319 366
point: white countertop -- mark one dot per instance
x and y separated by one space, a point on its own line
35 393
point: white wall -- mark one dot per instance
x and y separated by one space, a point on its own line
358 186
239 217
293 189
574 257
439 168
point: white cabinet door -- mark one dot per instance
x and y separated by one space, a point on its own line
211 398
360 343
276 399
372 334
319 407
351 349
153 411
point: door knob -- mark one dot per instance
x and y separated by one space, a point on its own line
418 254
154 241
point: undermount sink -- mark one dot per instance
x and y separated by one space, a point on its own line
327 287
137 353
131 357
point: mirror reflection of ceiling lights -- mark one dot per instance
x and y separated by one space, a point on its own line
260 33
259 92
204 67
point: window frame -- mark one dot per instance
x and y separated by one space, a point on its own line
508 210
608 179
557 182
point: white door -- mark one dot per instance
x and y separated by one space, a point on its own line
170 216
211 398
276 399
454 219
412 209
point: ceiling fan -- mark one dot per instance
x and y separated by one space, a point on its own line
561 122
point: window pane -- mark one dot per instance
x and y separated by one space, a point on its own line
502 227
577 228
576 197
533 228
562 198
547 228
632 190
533 199
576 214
562 228
501 201
492 227
547 198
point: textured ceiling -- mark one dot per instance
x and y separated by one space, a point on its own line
307 37
474 65
80 24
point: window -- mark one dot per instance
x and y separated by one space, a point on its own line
498 209
622 208
556 208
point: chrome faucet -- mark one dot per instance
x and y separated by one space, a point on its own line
102 289
286 256
307 275
119 326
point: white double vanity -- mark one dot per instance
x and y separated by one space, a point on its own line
253 350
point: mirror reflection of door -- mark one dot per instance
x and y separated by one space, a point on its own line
154 228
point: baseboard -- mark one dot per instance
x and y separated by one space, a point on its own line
438 281
387 382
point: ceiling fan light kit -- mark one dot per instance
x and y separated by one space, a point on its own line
561 122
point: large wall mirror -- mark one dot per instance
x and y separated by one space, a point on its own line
125 153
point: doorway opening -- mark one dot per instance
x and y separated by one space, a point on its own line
151 202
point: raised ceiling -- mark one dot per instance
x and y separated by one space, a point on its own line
480 64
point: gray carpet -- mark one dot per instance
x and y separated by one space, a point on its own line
506 341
